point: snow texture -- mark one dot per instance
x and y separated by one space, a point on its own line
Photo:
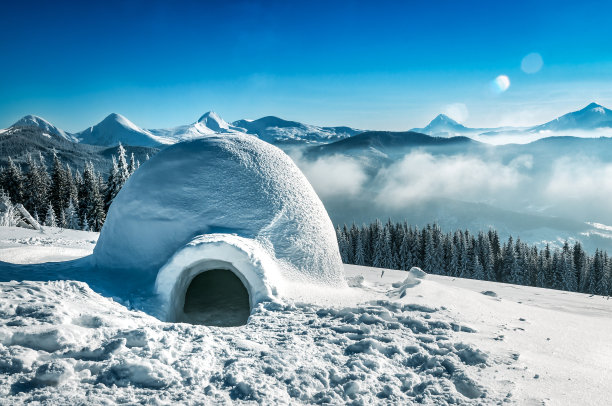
231 198
391 338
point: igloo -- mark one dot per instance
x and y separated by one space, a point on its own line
215 226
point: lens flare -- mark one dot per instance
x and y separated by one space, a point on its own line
532 63
501 83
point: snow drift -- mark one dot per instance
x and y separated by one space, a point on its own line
227 202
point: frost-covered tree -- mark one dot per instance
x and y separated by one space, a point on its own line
12 182
478 270
132 166
91 202
36 186
51 219
72 217
9 215
59 192
359 251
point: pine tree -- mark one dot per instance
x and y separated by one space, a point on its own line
85 222
359 251
132 166
72 217
9 216
59 186
36 186
51 219
478 270
92 204
12 182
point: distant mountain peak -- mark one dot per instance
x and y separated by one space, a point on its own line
115 129
210 115
593 106
39 122
212 122
443 118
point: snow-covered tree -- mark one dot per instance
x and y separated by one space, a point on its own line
132 166
9 215
72 217
51 219
91 202
12 182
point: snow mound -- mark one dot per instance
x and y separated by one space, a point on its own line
229 202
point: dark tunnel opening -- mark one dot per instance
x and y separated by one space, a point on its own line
216 297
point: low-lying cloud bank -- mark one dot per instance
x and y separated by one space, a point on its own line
573 187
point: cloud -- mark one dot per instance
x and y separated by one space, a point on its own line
457 111
421 176
334 176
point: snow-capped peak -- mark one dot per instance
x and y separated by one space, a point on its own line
443 118
590 117
442 125
41 123
213 122
594 106
115 129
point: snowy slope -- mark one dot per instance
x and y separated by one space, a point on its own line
115 129
392 337
276 130
45 126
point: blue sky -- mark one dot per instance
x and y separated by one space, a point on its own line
379 65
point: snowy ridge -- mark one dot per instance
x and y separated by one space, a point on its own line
276 130
208 124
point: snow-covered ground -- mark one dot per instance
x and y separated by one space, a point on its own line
392 337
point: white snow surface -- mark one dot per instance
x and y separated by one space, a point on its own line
392 337
233 186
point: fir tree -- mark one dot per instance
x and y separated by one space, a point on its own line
50 220
12 182
9 216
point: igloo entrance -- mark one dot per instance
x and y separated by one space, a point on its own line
216 297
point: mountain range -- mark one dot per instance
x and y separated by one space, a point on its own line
591 117
115 129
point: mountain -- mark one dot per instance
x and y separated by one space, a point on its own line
591 117
47 128
276 130
388 144
209 123
443 125
18 142
115 129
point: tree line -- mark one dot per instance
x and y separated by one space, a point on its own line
59 198
479 256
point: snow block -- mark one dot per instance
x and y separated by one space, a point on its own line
229 198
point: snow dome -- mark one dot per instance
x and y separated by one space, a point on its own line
219 224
